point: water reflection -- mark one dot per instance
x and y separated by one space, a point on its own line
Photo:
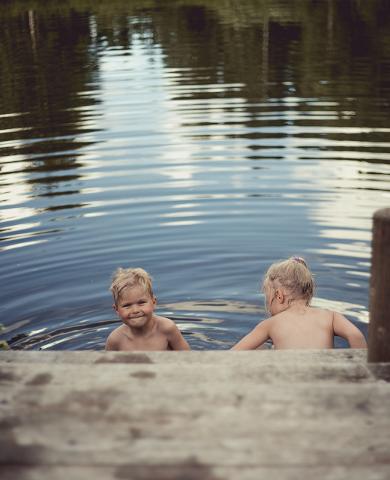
200 141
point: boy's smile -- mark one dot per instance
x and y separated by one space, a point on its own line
135 307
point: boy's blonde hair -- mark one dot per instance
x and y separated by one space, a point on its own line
294 276
130 278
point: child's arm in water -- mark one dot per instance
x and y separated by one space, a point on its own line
176 340
346 329
255 338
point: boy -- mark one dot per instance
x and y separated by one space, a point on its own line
294 324
142 329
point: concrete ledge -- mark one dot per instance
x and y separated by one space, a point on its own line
193 415
209 356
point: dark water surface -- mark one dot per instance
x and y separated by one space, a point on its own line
201 140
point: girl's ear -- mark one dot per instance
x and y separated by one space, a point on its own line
279 295
115 307
154 300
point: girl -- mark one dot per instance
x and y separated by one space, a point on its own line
289 287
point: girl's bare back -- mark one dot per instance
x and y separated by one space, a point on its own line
302 327
289 287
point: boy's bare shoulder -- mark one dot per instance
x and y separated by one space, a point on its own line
165 325
117 333
118 330
114 338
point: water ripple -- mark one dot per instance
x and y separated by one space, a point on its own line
202 157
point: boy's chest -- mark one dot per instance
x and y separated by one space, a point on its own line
157 341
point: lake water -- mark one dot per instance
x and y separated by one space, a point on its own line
199 140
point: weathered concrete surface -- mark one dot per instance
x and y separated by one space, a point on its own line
194 415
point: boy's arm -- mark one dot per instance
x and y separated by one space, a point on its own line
176 340
255 338
346 329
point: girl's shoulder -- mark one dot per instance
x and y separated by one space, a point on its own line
323 314
321 310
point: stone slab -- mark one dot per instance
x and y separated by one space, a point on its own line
193 415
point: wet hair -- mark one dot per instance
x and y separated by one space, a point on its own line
129 278
294 276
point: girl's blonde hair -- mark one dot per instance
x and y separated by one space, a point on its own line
294 276
130 278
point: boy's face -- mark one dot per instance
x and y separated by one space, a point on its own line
135 307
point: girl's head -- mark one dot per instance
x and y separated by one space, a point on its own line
287 281
128 278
